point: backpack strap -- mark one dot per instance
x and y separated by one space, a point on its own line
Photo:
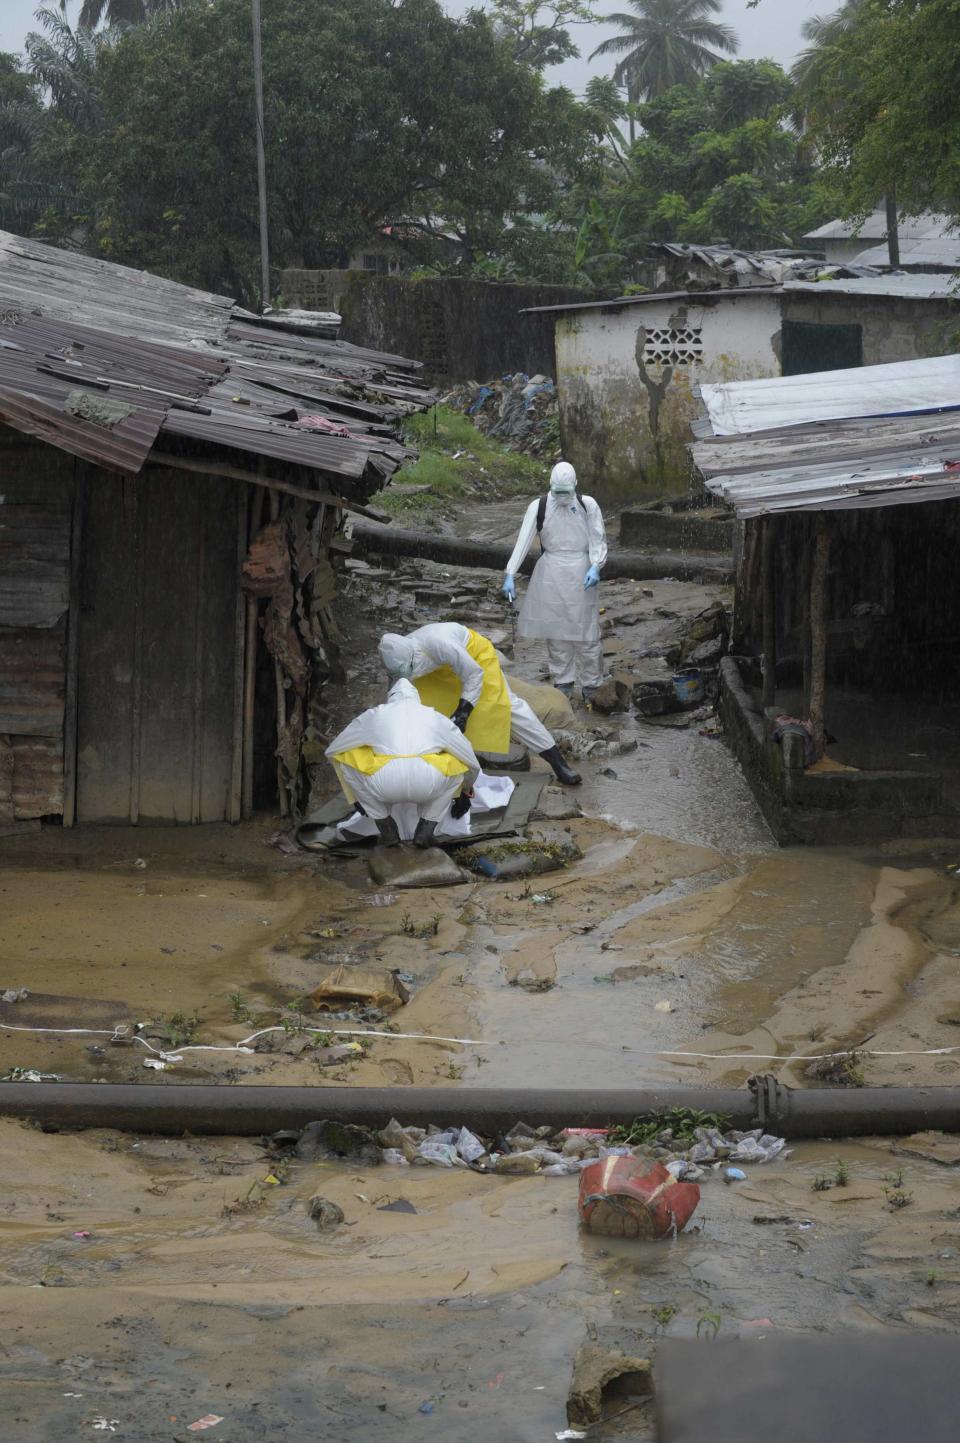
542 510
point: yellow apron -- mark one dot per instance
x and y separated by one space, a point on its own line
488 729
366 761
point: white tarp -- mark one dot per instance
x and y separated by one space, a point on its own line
740 408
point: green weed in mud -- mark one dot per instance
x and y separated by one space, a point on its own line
709 1324
682 1122
409 927
664 1315
181 1029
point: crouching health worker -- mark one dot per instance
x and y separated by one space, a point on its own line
404 753
561 605
458 671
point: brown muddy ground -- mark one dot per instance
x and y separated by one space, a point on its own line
477 1303
149 1282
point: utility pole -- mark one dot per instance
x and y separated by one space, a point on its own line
893 226
261 160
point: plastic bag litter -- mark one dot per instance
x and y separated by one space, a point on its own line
393 1157
615 1152
567 1168
440 1154
469 1146
758 1149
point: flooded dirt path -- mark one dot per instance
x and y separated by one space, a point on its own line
683 930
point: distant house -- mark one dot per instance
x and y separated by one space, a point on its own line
174 473
628 370
860 242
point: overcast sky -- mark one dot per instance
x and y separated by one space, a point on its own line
773 29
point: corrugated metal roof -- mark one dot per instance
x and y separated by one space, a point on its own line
730 293
897 284
743 407
73 322
75 287
784 445
874 227
937 252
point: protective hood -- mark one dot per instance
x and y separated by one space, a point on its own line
398 654
563 479
403 690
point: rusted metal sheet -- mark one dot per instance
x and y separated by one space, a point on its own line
80 288
32 680
37 776
125 447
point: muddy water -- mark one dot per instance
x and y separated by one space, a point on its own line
153 1281
683 930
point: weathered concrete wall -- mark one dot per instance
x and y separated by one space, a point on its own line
627 379
461 330
894 328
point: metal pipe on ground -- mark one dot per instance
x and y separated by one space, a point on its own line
636 566
175 1108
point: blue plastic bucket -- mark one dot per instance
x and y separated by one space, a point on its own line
688 686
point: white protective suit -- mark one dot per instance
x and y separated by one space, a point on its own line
405 731
444 643
557 606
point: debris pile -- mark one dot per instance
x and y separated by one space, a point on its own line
689 1154
519 410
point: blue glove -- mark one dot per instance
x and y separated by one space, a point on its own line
509 588
591 579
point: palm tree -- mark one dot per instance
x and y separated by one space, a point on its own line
822 74
665 43
119 12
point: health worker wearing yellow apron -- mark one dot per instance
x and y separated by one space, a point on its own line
400 753
457 671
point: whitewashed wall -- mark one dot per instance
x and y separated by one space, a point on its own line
627 377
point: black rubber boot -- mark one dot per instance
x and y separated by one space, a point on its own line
423 836
389 832
560 769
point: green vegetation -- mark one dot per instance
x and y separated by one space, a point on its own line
458 461
181 1029
681 1121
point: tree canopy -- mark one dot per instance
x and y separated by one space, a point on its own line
881 100
376 112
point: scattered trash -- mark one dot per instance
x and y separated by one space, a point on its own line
542 898
14 994
571 1433
634 1198
519 409
400 1206
734 1174
758 1323
105 1425
337 1142
209 1420
155 1064
347 987
595 1369
426 1408
663 1007
325 1214
81 1234
381 899
30 1074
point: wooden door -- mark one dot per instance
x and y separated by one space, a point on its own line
159 681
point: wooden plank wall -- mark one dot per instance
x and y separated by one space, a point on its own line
36 493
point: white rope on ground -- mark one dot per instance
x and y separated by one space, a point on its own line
175 1054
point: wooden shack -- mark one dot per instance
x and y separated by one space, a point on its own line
174 475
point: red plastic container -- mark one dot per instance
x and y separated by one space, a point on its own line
632 1197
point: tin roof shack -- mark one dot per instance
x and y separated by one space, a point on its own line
174 474
842 695
848 240
627 372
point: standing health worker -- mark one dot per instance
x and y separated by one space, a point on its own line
561 605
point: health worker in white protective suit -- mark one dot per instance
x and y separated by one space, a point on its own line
405 752
458 671
561 605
